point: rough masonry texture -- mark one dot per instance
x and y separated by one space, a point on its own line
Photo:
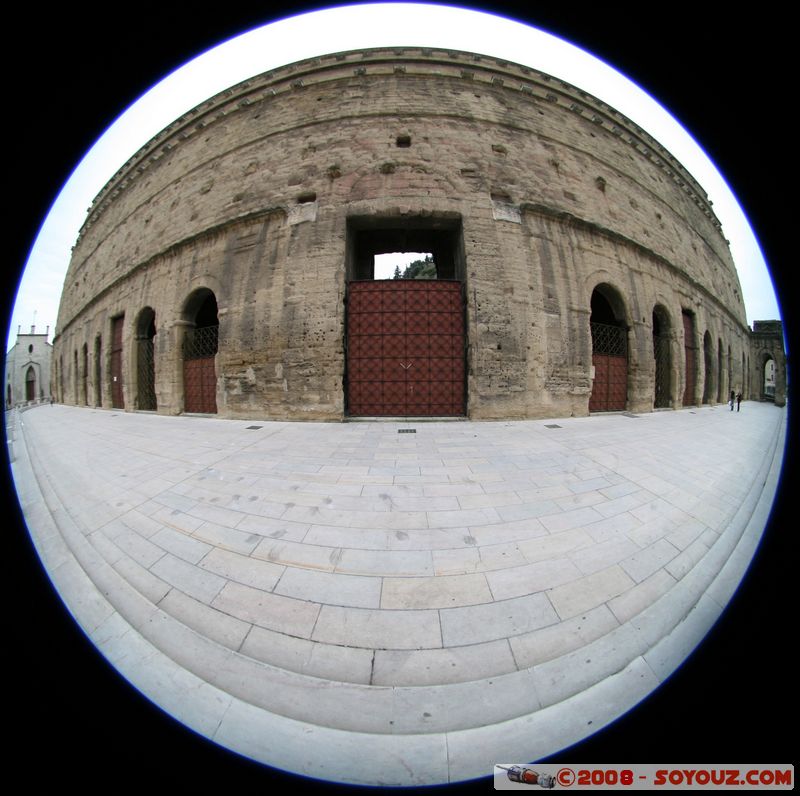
214 271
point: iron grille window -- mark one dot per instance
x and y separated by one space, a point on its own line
146 374
200 343
609 340
662 370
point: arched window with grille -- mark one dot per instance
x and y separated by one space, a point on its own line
709 386
146 361
662 359
690 359
609 351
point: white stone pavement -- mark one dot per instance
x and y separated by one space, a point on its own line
436 600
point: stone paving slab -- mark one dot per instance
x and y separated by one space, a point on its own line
445 586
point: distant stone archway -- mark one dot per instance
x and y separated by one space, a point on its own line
768 379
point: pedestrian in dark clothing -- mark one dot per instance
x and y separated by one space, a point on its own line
733 398
738 401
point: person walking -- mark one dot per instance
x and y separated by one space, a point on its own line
738 401
732 399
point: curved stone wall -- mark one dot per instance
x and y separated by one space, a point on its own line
274 195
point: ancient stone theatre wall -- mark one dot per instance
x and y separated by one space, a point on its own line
215 271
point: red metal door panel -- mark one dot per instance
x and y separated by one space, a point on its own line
599 385
201 386
405 348
610 387
617 383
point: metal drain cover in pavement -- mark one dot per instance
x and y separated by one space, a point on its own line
253 428
406 431
553 425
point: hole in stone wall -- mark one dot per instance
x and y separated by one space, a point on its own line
378 246
403 141
404 265
306 198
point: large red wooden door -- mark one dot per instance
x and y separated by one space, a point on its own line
405 348
610 361
117 398
199 373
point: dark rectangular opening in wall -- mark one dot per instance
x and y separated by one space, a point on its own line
438 237
404 265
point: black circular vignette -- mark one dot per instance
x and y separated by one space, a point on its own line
724 79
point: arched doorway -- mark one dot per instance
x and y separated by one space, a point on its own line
708 361
98 373
768 379
145 360
85 374
75 378
200 344
730 370
662 371
30 384
690 360
609 351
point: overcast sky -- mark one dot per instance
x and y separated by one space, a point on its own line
357 27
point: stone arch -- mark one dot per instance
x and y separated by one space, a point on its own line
708 368
609 334
144 359
662 358
199 343
766 375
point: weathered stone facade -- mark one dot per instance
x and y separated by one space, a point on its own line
259 207
768 355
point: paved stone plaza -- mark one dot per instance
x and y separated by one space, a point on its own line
436 596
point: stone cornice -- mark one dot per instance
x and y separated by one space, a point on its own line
409 61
